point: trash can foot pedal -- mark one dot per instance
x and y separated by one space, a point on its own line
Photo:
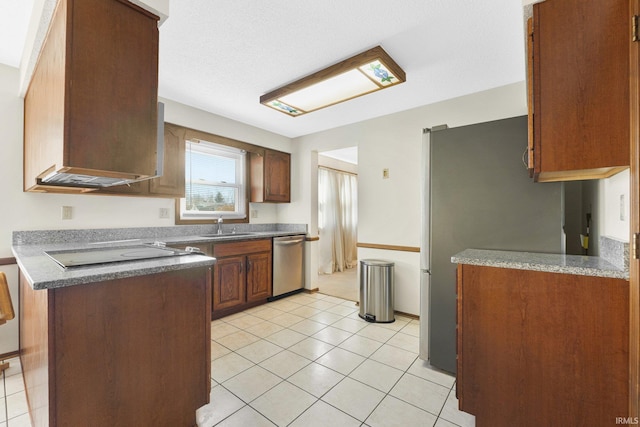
369 317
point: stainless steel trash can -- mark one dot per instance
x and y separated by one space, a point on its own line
376 291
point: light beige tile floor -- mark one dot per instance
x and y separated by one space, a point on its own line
322 366
13 401
341 284
309 360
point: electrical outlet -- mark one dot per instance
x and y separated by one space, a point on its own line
622 208
254 213
67 212
164 213
385 173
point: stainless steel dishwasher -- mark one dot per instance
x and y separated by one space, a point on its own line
288 266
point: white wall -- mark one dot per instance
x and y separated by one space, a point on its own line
389 209
340 165
11 157
613 219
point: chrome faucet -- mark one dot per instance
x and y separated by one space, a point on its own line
220 225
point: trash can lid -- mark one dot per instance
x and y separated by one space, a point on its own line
377 262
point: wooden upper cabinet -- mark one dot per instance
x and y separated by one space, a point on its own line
634 222
271 177
92 101
580 88
530 138
171 183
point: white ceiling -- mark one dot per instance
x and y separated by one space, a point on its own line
14 24
220 56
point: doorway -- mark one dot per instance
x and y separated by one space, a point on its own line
337 222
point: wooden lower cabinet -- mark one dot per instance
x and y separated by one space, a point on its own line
126 352
242 275
259 276
542 349
229 282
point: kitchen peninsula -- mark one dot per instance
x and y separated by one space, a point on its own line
114 342
543 339
121 343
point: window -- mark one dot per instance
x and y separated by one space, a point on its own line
214 182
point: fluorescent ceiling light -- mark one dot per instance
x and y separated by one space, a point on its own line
364 73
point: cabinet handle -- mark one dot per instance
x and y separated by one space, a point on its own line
525 158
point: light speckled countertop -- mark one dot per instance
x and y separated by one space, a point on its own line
552 263
43 273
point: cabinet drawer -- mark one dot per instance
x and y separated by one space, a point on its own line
221 250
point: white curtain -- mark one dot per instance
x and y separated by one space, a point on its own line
337 220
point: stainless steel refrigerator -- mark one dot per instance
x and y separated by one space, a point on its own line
476 194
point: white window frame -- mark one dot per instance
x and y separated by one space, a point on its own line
211 148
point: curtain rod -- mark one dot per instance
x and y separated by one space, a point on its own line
337 170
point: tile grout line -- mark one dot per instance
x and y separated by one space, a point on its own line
395 332
286 379
6 403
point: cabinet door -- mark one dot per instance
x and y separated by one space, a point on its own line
112 110
528 337
634 263
530 55
581 88
258 276
229 282
277 177
270 177
171 183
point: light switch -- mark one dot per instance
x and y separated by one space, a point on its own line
622 209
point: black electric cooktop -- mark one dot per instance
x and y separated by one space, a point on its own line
82 257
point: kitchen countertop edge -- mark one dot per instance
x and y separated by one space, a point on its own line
551 263
44 273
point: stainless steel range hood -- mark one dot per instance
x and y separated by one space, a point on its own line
89 178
